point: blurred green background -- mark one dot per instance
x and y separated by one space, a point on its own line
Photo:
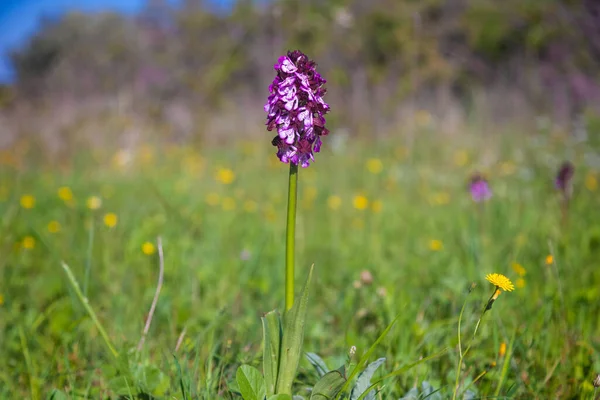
121 128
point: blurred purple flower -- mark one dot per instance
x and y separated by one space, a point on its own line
479 188
296 108
563 178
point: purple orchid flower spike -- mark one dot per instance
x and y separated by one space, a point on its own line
564 177
296 109
479 188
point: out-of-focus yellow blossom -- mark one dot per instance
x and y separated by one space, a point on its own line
110 220
502 350
520 283
28 242
440 198
377 206
461 158
212 199
250 206
93 202
148 248
53 227
435 245
1 300
27 201
228 204
549 259
508 168
147 154
518 268
591 182
360 202
225 176
374 165
334 202
65 193
423 118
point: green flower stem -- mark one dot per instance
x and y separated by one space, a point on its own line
290 236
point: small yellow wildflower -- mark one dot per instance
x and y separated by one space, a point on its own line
461 158
591 182
508 168
360 202
518 268
423 118
148 248
250 206
28 242
27 201
94 202
374 165
500 281
377 206
65 193
549 259
520 283
436 245
334 202
228 204
53 226
502 350
212 199
110 220
225 176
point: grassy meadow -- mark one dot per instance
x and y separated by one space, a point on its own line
388 224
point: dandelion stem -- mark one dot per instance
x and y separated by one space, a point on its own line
290 236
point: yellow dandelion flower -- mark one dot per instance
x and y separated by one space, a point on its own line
436 245
591 182
65 193
461 158
377 206
360 202
148 248
374 165
212 199
27 201
502 350
520 283
53 226
500 281
518 268
549 259
334 202
28 242
110 220
228 204
225 176
250 206
94 202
